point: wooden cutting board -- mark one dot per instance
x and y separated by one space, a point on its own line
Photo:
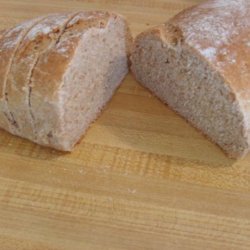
142 178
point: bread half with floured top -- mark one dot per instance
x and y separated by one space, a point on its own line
199 64
61 70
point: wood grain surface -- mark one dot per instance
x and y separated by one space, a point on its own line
141 178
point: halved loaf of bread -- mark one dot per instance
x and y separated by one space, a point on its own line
199 64
61 70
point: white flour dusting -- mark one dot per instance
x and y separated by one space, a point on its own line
212 28
46 27
209 52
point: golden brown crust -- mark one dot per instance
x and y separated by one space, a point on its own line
35 43
10 40
37 40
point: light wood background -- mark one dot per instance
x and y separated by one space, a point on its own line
142 178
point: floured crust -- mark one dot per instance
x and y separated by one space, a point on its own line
219 31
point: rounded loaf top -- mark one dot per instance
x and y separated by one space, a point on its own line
219 31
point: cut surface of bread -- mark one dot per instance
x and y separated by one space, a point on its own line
65 69
198 64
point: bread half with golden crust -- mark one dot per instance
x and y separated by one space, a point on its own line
199 64
65 68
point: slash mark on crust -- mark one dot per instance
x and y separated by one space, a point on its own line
30 92
9 115
37 59
65 27
11 119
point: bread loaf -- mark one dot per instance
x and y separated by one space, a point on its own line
62 69
199 64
